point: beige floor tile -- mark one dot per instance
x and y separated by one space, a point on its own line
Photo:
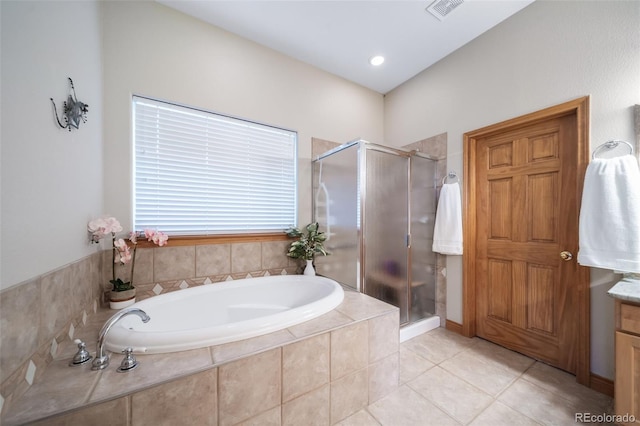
407 408
498 414
438 345
539 404
412 365
488 377
564 384
501 357
361 418
452 395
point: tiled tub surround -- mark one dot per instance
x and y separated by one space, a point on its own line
39 316
163 269
319 372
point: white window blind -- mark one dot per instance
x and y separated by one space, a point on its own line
200 173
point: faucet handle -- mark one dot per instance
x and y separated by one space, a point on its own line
81 356
129 361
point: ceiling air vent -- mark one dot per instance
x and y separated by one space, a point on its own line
441 8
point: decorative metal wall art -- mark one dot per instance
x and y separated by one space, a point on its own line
73 111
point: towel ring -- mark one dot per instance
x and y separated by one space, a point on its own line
450 175
610 145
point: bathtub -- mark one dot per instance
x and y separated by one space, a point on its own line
225 312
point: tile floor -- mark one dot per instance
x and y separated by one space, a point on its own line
447 379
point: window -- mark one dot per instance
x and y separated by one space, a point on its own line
200 173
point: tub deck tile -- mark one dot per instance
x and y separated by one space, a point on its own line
234 350
359 306
151 370
60 388
326 322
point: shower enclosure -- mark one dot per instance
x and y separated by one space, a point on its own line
377 206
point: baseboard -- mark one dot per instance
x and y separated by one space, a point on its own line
602 385
454 326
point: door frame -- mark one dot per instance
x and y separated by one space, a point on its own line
580 108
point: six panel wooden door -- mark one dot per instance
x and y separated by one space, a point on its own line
526 216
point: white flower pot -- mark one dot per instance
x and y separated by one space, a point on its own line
121 305
308 270
122 299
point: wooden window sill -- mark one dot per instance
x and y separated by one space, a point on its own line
196 240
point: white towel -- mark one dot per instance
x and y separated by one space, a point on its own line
610 215
447 234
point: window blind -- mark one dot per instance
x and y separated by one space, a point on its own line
200 173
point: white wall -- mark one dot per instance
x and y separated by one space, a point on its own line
155 51
51 182
548 53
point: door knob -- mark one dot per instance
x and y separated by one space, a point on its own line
566 255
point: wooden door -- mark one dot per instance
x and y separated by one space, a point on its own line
527 182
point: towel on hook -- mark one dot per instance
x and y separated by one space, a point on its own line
610 215
447 234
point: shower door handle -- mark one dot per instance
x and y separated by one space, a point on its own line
408 240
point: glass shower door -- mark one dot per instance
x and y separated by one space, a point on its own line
385 199
335 188
423 259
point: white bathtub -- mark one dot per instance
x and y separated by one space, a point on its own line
219 313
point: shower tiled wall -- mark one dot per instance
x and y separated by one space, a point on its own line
436 148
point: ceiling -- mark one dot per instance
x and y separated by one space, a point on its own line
340 36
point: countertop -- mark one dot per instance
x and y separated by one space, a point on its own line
627 289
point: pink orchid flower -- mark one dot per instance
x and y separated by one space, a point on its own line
112 225
157 237
97 229
103 226
123 252
160 238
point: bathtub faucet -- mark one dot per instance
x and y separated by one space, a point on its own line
101 360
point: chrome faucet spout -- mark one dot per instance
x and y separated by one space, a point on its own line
101 360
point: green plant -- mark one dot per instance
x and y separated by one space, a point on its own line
308 243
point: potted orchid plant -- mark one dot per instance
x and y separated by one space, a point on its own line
123 293
308 243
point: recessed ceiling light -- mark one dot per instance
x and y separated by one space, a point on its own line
376 60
